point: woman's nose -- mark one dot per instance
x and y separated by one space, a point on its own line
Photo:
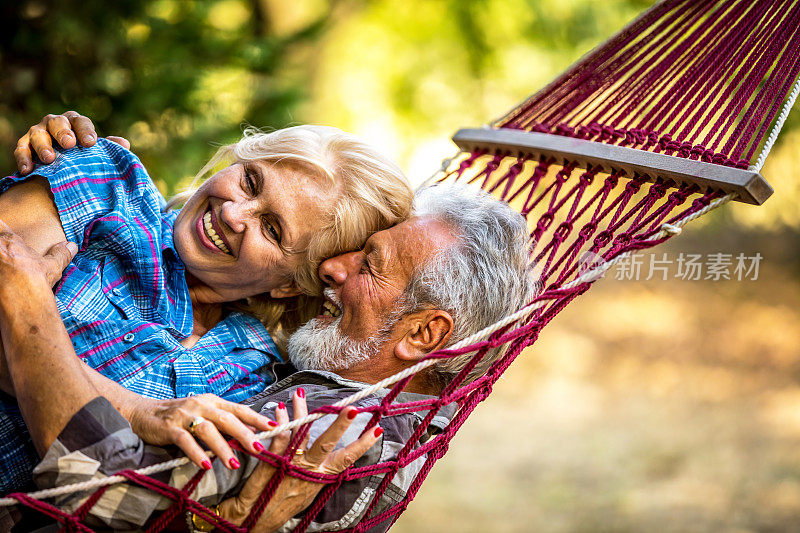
334 271
234 215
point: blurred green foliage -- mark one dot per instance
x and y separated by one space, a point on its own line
180 77
176 77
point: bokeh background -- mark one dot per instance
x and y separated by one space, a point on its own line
645 406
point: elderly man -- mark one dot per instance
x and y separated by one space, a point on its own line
458 265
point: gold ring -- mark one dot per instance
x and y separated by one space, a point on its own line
194 423
198 524
299 451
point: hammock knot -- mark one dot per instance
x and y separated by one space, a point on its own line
671 229
516 168
541 128
562 231
587 231
565 129
698 152
639 135
544 221
686 149
603 238
623 238
563 175
587 178
594 129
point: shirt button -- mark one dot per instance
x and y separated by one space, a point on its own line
116 291
190 393
129 337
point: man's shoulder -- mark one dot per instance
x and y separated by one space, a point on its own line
323 388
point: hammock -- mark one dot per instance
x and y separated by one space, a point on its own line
671 118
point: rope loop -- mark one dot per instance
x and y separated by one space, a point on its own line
544 222
565 129
603 238
587 230
624 238
562 231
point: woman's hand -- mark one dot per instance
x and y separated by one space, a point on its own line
294 494
67 129
184 421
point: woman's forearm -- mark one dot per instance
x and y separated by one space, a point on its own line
123 400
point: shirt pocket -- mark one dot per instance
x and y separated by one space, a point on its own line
117 287
81 294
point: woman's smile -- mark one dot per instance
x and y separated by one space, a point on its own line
210 234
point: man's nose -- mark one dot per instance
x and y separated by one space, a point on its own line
334 271
235 215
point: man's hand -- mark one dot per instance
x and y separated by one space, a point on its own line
293 494
67 129
18 260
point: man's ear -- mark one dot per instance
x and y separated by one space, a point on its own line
422 333
287 290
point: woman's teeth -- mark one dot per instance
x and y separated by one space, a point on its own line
212 235
328 309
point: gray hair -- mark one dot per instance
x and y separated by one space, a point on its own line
483 278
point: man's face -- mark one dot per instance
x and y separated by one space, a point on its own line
363 288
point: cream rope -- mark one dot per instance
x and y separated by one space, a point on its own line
589 275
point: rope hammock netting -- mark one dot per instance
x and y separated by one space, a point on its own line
669 119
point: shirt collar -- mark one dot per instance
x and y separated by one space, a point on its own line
246 331
322 377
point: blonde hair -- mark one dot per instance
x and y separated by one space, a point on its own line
375 195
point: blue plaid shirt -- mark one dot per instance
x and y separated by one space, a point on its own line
124 298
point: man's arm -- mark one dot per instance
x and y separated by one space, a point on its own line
50 387
29 210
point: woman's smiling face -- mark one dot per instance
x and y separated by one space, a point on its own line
243 232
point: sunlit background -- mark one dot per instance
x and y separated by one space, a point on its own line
646 406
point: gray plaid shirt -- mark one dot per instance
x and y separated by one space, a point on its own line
98 441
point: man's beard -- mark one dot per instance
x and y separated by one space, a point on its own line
318 346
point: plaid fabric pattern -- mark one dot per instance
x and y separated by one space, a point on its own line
124 299
98 442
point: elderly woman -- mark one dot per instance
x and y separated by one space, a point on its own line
178 303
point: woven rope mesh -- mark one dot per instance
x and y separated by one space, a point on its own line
690 78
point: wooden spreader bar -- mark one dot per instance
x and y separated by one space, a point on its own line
749 185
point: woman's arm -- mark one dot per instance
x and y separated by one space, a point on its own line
29 210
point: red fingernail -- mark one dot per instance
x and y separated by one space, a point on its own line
272 424
281 405
352 414
378 431
234 463
257 446
301 392
206 465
